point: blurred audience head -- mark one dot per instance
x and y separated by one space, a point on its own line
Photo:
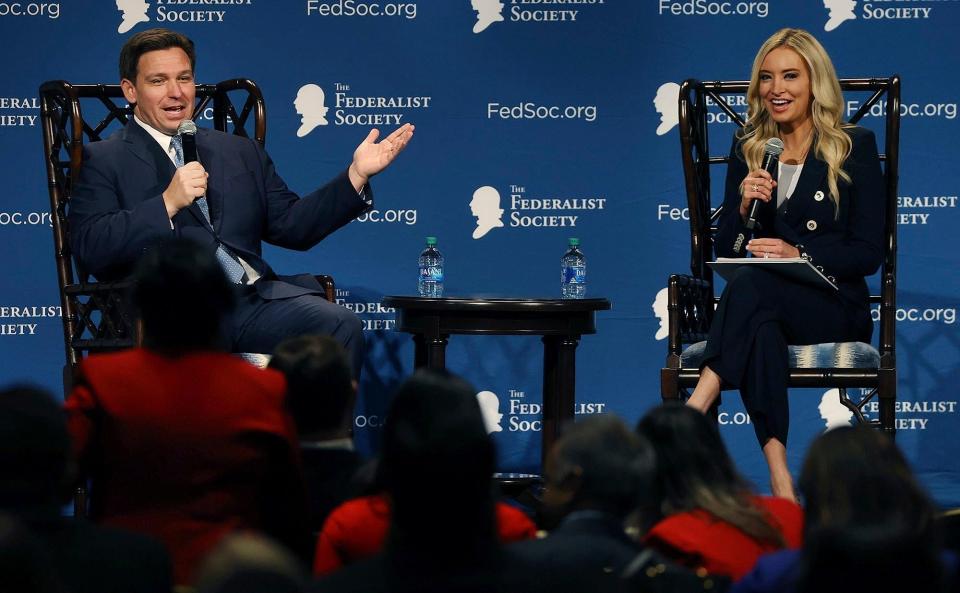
183 298
598 464
437 464
869 526
250 563
25 566
694 471
320 386
35 459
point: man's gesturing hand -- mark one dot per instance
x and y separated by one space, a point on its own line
188 184
371 156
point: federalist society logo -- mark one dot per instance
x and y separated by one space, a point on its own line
919 209
352 109
909 415
526 210
841 11
520 415
134 12
490 12
912 415
19 111
24 321
373 315
665 104
659 308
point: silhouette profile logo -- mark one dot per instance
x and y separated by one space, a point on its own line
488 12
666 105
660 311
840 12
485 205
833 413
310 106
134 13
490 409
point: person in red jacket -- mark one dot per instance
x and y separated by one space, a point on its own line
358 528
703 514
180 440
436 465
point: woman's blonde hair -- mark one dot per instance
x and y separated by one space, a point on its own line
832 144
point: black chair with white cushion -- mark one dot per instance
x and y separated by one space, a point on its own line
691 297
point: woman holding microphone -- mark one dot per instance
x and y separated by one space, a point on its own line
825 204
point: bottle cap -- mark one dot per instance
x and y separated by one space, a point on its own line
431 240
574 241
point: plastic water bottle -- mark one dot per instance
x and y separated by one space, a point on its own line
573 272
430 281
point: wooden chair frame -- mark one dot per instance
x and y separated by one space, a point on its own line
691 299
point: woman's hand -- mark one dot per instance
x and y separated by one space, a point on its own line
763 247
757 185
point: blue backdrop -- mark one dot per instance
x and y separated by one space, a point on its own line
539 100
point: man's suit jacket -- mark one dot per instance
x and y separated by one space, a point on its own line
116 211
330 477
188 449
846 247
588 547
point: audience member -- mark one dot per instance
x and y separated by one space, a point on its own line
25 565
869 526
37 470
706 515
595 474
949 525
321 394
180 440
436 465
249 563
358 529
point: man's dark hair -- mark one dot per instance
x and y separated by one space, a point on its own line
183 298
152 40
615 466
34 449
319 381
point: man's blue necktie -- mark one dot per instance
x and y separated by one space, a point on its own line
228 261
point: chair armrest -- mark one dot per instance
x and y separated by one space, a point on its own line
690 310
98 316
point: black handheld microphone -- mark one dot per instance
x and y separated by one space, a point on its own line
771 158
188 137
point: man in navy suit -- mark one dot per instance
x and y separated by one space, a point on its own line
596 475
131 195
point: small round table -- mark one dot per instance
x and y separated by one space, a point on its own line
559 322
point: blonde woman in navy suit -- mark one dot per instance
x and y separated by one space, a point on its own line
825 205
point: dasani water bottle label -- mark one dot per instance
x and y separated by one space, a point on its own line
575 274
